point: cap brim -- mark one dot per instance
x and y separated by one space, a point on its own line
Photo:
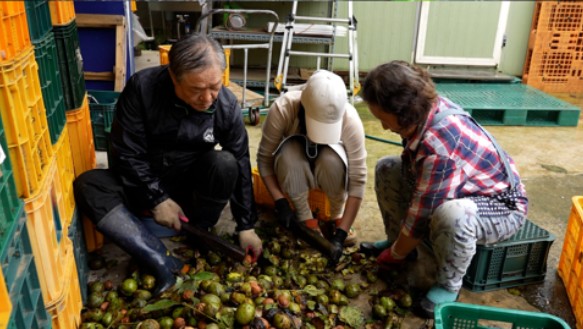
323 133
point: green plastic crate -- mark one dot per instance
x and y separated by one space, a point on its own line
45 52
102 107
520 260
22 281
10 204
38 16
70 65
468 316
80 252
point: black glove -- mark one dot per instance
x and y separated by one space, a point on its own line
337 244
283 211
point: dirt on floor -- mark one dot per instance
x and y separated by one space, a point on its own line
550 160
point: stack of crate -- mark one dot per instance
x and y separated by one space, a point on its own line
82 156
554 56
39 267
76 106
25 164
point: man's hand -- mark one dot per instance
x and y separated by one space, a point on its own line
337 244
283 212
167 213
388 259
250 242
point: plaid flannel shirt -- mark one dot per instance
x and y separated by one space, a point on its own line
450 160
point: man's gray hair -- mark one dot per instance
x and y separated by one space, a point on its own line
195 52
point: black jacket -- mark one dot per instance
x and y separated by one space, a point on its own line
155 135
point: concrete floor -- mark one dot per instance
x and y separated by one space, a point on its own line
550 160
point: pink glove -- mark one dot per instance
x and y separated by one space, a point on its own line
389 259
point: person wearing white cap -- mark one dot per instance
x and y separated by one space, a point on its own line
313 138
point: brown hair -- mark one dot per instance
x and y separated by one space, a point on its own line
402 89
193 53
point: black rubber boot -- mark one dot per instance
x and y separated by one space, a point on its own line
130 234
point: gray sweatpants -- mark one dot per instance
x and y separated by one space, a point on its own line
297 175
456 226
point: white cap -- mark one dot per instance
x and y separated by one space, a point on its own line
324 99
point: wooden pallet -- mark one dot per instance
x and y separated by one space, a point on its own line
118 73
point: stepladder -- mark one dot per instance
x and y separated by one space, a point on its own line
334 27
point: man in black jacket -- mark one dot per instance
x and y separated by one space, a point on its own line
168 122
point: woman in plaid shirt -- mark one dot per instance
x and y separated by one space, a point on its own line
452 184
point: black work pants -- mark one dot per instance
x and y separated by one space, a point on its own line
209 182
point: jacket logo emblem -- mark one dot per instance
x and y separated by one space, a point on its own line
208 136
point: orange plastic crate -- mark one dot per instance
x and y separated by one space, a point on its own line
564 15
66 175
93 238
49 241
66 310
62 12
14 34
81 138
164 50
318 200
25 122
555 48
571 262
5 303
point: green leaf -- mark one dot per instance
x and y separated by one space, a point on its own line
204 276
160 305
312 290
226 318
351 316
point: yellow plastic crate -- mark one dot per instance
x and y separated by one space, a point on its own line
571 262
49 241
66 176
25 122
318 200
62 12
81 138
14 34
5 304
66 310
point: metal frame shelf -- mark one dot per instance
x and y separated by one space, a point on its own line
250 35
